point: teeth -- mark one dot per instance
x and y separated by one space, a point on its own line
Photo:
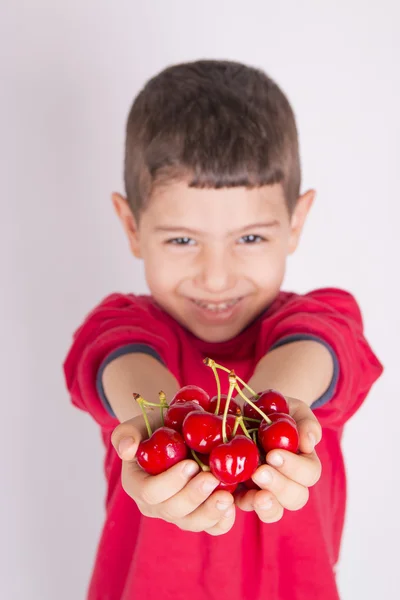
216 307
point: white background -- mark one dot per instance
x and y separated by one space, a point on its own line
69 71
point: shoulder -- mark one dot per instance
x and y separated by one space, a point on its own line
326 300
119 305
118 300
329 314
118 314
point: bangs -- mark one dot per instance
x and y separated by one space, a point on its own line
217 155
213 124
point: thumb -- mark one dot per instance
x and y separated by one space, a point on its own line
127 436
310 431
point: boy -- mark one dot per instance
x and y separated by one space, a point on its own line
213 207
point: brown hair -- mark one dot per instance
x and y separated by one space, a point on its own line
214 123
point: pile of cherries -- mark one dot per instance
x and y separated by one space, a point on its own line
222 437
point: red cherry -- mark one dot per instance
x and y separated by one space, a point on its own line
231 420
276 416
281 434
269 401
164 448
176 414
202 431
234 461
251 485
234 406
227 487
194 393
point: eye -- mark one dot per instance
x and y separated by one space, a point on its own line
251 239
181 241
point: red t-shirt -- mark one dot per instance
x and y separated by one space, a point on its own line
293 559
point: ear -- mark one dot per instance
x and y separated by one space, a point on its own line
128 221
298 219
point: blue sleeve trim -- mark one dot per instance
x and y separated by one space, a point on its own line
129 349
298 337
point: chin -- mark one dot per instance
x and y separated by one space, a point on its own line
216 337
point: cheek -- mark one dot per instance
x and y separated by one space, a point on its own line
268 269
161 272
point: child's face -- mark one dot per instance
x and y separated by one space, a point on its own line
214 259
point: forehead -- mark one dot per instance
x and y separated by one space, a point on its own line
177 204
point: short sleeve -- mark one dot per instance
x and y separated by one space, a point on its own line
118 323
332 316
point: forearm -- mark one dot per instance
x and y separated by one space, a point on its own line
302 370
138 373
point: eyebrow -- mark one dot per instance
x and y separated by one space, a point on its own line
188 230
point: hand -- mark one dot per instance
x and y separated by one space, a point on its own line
285 484
181 495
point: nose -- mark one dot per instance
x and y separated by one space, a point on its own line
216 273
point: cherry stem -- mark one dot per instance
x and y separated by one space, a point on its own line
210 362
214 370
202 466
238 420
141 401
253 430
155 404
251 419
243 426
264 416
232 384
163 405
255 436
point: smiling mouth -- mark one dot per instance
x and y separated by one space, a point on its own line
216 307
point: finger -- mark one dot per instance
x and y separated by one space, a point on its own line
267 507
289 494
127 436
301 468
193 495
207 515
310 431
225 523
245 500
154 489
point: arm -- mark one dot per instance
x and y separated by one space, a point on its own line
301 370
139 373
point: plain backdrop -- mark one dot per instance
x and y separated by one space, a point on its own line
69 72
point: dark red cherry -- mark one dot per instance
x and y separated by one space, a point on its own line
251 485
177 412
281 417
231 420
193 393
234 406
269 401
163 449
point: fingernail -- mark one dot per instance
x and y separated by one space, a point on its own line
312 439
266 505
208 486
264 477
223 505
190 469
276 460
127 448
229 513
